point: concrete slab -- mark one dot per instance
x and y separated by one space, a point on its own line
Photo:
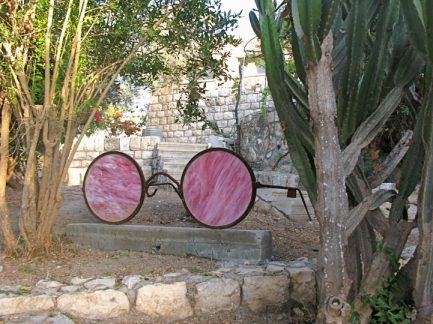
221 244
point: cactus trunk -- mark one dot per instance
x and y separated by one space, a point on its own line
354 61
330 185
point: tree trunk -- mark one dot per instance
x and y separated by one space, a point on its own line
332 205
5 222
29 203
423 294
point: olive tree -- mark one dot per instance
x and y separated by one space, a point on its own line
59 61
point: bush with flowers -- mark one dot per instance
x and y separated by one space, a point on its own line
115 122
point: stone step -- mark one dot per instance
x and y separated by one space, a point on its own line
177 174
180 147
173 159
175 163
176 155
175 167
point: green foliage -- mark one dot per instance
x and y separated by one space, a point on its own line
235 88
373 64
190 110
265 95
382 67
190 44
387 308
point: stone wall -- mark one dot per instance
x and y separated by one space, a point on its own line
140 148
262 141
276 287
219 105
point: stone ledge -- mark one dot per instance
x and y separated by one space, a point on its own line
273 287
223 244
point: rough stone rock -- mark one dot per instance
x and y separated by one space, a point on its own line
10 288
303 282
47 284
47 287
135 143
262 292
218 294
79 281
220 271
172 275
249 271
274 268
58 319
1 268
112 144
166 301
42 319
25 304
299 263
412 210
408 252
70 289
101 283
131 281
130 293
97 305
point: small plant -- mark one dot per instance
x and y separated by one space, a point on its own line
265 95
148 273
24 269
197 270
387 308
22 290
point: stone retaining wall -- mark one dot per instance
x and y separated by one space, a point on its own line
138 147
262 139
274 287
219 106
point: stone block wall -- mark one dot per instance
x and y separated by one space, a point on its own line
138 147
219 105
262 140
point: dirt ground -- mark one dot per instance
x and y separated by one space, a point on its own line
291 240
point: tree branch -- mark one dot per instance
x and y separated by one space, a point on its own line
392 160
371 202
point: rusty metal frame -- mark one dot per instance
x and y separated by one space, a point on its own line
178 187
143 183
253 189
153 182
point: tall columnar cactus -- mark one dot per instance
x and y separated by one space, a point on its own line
419 17
354 61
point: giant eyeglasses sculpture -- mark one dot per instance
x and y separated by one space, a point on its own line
218 187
